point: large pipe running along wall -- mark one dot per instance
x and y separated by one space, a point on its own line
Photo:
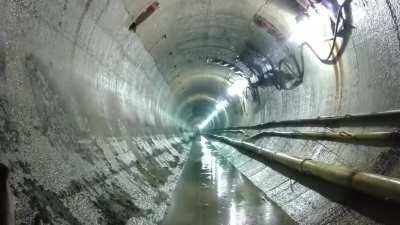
365 80
89 110
382 187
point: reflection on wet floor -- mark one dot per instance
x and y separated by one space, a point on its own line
212 192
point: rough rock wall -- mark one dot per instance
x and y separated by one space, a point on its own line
84 123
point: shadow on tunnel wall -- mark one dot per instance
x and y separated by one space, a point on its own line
385 212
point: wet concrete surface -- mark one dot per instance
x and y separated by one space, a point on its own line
213 192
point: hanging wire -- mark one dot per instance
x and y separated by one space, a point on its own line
340 20
288 73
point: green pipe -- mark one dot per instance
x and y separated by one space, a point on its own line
383 187
388 118
392 138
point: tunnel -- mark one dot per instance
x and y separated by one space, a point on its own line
103 104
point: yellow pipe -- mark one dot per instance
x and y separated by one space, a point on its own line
386 188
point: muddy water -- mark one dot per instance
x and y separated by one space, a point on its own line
212 192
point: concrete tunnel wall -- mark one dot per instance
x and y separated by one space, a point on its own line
87 121
365 80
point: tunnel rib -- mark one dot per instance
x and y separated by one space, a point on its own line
94 117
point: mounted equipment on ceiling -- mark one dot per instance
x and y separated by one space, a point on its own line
146 13
266 25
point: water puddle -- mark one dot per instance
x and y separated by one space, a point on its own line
212 192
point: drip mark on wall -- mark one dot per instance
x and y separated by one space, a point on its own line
47 204
394 19
386 161
64 9
102 11
2 55
79 27
118 207
9 134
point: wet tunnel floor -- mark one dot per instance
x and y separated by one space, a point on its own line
212 192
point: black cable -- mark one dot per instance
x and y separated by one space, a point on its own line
328 59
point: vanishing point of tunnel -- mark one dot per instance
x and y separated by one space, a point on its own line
199 112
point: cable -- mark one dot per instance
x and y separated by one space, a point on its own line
284 66
328 59
283 75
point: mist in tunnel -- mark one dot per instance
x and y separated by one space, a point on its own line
100 101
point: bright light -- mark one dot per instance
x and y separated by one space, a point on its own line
202 125
208 120
222 105
310 29
238 87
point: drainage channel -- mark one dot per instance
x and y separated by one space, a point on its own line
213 192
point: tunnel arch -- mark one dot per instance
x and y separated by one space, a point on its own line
91 112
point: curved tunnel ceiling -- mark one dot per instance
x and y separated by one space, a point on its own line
182 35
91 112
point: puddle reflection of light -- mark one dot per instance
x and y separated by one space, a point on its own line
203 142
221 183
207 160
232 214
236 215
216 171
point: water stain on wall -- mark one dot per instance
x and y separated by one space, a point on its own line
118 207
47 204
393 15
79 27
9 134
55 122
386 161
2 55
